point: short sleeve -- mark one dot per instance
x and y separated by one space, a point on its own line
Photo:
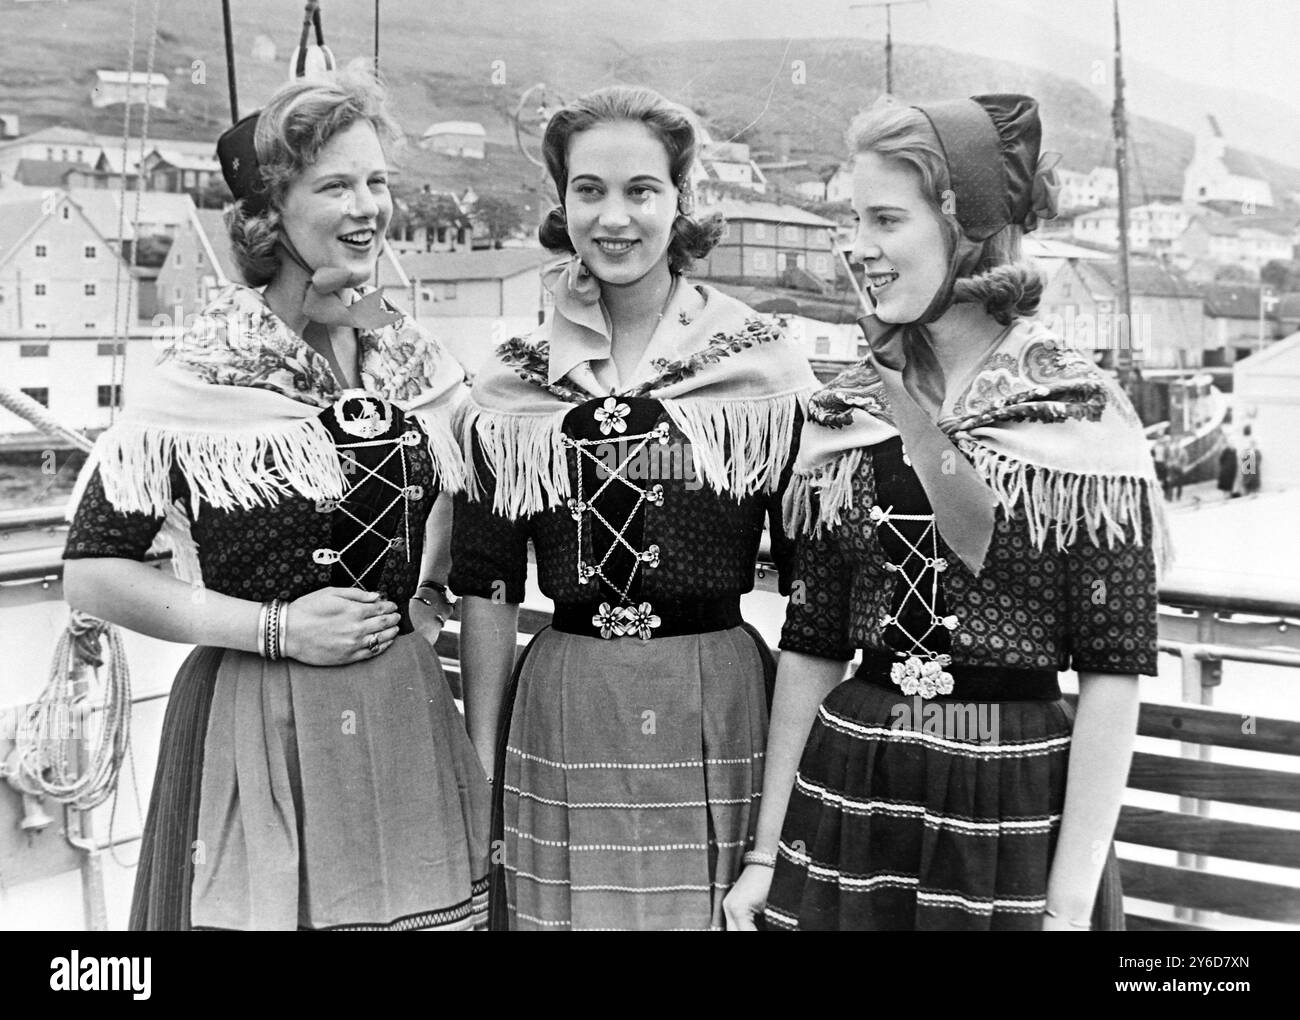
101 530
1112 600
489 552
817 614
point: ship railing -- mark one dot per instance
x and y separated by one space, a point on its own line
1201 885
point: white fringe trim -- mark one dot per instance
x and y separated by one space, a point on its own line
524 454
831 484
444 451
226 471
739 447
1056 502
1051 502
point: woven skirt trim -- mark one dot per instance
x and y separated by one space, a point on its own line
630 780
907 827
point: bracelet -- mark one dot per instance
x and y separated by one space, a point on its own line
758 857
448 596
282 641
272 624
1081 925
419 598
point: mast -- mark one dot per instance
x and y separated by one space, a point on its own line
1122 360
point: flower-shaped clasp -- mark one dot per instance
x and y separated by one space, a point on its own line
925 677
640 620
609 621
610 415
650 556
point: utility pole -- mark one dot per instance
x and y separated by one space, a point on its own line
1123 359
888 5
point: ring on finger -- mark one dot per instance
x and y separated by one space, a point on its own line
372 642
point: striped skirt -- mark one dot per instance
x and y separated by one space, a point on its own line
291 796
630 780
911 814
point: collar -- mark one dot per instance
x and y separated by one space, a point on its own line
580 333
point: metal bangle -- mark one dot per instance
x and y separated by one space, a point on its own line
282 639
261 628
758 857
419 598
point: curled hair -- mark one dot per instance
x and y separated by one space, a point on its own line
1006 285
292 129
691 238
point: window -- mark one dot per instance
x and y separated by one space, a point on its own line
40 325
823 264
89 289
449 292
42 251
40 394
89 251
426 295
63 155
40 290
822 345
178 258
760 260
198 259
49 153
33 350
760 231
109 396
792 233
106 350
88 325
66 213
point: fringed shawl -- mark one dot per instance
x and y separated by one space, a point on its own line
730 381
1054 437
234 405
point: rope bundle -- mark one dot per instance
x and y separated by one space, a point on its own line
71 743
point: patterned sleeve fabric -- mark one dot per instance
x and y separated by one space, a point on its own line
101 530
489 552
817 615
1111 600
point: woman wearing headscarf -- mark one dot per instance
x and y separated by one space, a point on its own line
291 447
976 511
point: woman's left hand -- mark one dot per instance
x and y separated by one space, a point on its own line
428 620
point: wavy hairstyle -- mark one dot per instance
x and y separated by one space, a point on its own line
1006 285
293 128
691 238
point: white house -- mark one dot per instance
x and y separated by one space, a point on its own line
115 87
1264 389
1217 175
474 300
464 138
1101 226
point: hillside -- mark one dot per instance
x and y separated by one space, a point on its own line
446 60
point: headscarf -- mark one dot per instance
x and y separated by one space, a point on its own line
1038 430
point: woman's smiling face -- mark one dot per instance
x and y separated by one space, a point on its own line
621 201
336 211
901 240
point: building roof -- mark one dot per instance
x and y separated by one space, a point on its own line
46 173
1232 300
188 161
58 135
216 238
16 221
1149 279
449 267
737 210
1288 307
1052 248
102 207
456 127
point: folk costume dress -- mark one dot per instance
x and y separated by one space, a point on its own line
631 753
930 792
291 796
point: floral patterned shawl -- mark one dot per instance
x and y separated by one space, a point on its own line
1054 437
234 404
729 379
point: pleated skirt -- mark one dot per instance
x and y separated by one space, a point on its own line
630 780
290 796
926 815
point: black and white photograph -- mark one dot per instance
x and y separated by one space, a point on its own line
613 465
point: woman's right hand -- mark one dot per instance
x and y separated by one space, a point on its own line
747 898
334 626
